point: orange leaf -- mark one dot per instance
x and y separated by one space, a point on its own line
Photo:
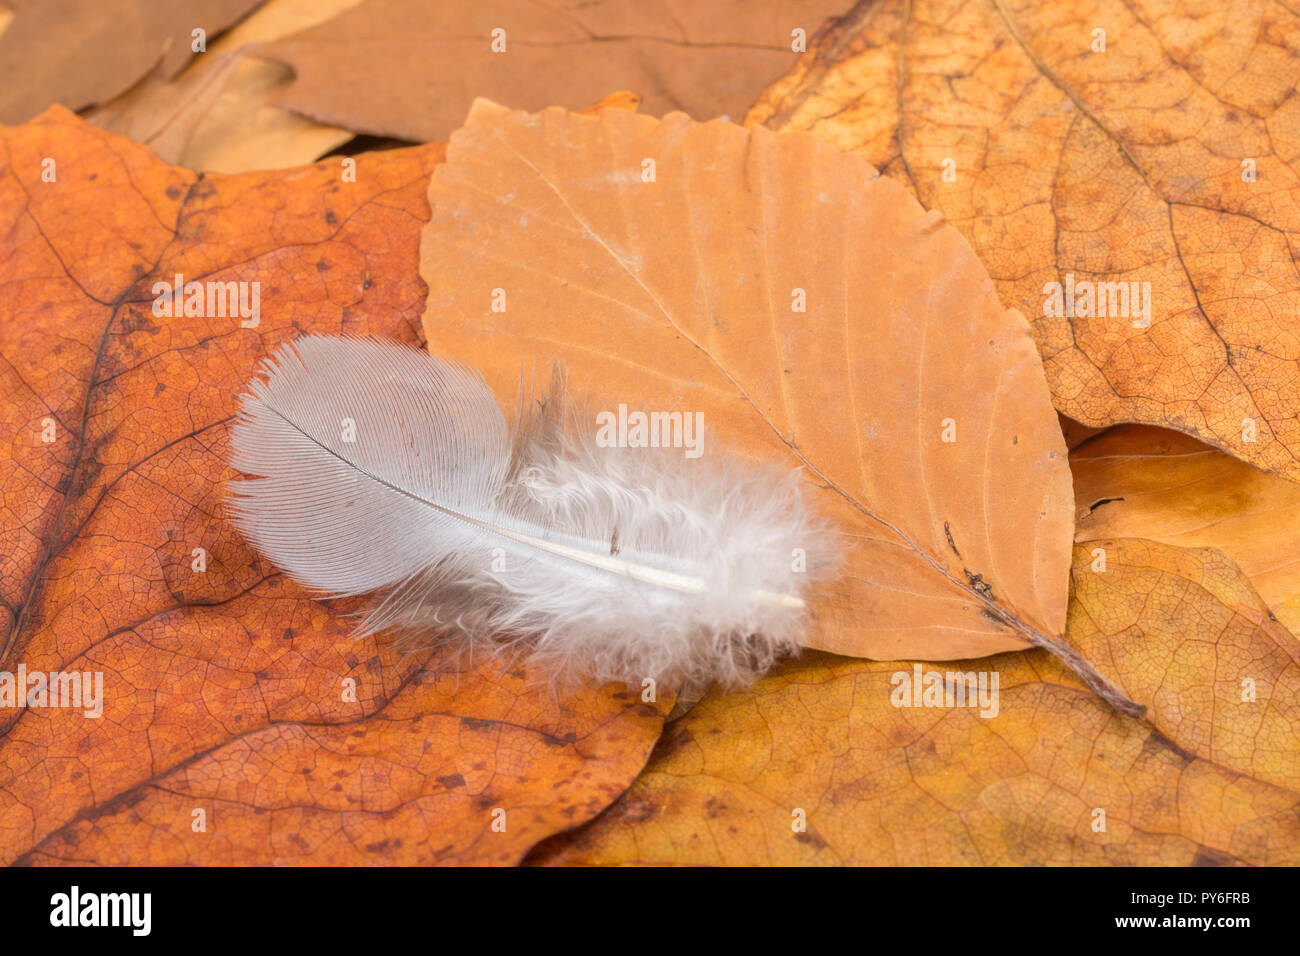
1141 482
669 264
819 766
1183 631
225 688
1105 142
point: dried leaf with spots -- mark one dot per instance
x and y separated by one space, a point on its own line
819 766
225 688
1148 142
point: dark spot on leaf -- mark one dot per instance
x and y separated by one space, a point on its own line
1157 743
673 740
635 809
1208 857
978 584
812 839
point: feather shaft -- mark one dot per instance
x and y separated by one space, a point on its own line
590 557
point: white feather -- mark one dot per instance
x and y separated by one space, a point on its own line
382 469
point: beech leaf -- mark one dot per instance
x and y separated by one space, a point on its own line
812 313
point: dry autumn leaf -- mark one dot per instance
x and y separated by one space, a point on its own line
222 102
240 723
818 766
1076 434
163 115
82 52
814 316
1152 143
1135 481
409 69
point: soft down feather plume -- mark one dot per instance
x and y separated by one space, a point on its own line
383 469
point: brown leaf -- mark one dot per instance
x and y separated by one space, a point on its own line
1167 159
233 127
681 294
225 687
82 52
1075 433
409 69
1216 781
1141 482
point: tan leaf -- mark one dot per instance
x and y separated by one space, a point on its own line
683 291
163 115
82 52
217 115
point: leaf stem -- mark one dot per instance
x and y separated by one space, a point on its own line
1072 659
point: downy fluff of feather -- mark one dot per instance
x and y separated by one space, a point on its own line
382 469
